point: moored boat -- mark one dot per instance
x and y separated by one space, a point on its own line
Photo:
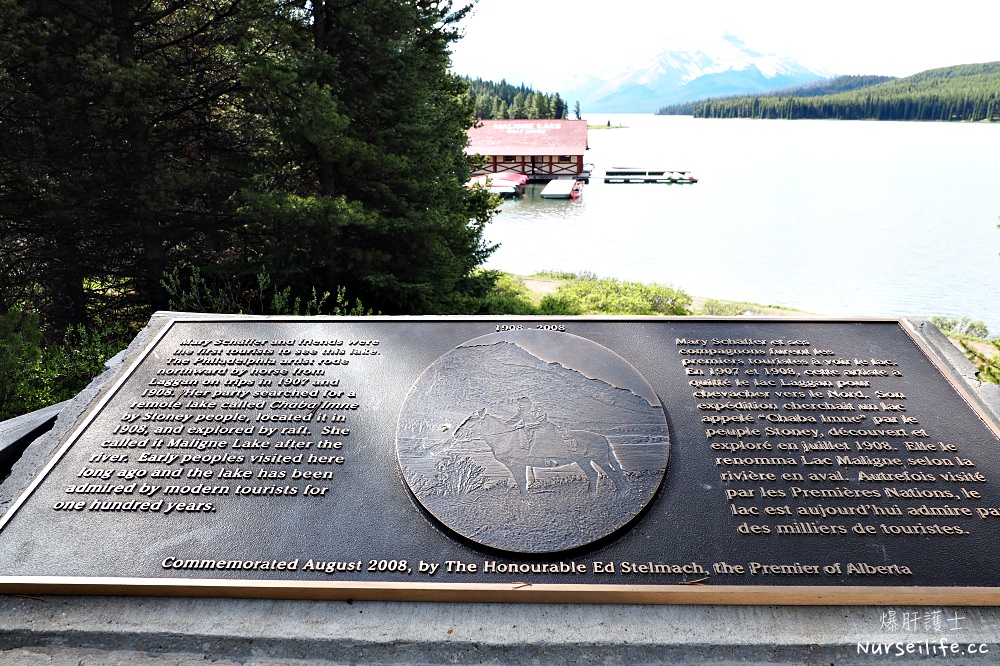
562 188
506 185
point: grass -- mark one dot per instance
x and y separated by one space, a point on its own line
973 338
563 292
575 285
560 293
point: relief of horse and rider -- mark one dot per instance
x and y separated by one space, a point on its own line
528 439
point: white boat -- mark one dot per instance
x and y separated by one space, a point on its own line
562 188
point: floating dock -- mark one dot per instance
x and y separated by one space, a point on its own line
639 175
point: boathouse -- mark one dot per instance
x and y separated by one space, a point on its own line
538 149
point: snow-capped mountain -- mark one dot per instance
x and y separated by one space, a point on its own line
727 67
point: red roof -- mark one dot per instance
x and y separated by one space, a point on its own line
528 137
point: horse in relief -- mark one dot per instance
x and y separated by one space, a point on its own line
540 443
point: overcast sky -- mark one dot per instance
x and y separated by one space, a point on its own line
543 43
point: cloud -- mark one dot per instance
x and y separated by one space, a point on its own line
545 44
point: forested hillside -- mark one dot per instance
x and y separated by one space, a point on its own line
960 93
503 100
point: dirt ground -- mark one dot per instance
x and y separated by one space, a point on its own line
540 286
984 348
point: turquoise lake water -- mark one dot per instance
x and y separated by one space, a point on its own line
843 218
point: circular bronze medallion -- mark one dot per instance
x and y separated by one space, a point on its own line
532 441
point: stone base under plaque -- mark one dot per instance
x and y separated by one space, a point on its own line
146 630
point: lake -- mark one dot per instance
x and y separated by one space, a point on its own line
847 218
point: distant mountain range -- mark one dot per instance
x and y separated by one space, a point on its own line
727 67
969 93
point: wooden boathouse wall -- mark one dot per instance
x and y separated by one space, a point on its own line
539 149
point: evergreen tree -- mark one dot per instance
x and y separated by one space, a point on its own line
500 109
517 109
361 176
964 92
541 106
495 100
118 146
558 107
322 141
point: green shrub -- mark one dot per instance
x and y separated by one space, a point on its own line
961 327
559 304
566 275
717 308
190 291
20 351
508 302
496 293
610 296
583 293
967 331
989 366
60 371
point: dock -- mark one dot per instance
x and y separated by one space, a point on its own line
639 175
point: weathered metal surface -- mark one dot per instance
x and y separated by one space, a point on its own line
532 441
443 458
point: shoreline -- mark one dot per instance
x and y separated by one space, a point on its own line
539 287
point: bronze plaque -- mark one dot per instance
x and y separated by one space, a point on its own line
631 459
532 441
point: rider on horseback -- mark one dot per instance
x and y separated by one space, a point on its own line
529 420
